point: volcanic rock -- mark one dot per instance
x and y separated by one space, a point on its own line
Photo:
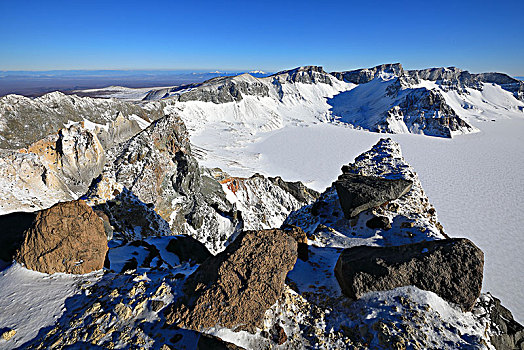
187 248
235 288
451 268
357 193
68 237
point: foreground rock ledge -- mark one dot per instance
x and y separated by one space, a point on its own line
451 268
68 237
235 288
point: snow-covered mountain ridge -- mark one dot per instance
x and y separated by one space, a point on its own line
385 98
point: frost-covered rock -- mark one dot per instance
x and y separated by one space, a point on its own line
265 202
412 217
504 331
157 166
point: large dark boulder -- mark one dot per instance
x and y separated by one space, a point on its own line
357 193
188 249
235 288
68 237
451 268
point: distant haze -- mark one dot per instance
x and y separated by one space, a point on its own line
35 83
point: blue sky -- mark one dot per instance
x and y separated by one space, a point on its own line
269 35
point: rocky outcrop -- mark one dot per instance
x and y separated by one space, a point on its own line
129 218
74 154
451 268
297 189
68 237
157 166
264 202
188 249
411 216
505 332
425 111
26 120
236 287
358 193
365 75
217 90
304 75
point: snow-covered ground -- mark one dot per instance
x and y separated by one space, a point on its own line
31 301
474 181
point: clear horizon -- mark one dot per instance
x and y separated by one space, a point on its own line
271 36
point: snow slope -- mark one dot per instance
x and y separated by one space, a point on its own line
30 301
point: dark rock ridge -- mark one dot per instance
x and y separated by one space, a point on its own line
68 237
305 75
451 268
357 193
297 189
425 111
236 287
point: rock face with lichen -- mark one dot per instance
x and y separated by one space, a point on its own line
451 268
236 287
68 237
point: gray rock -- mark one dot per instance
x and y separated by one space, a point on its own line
297 189
365 75
357 193
305 75
451 268
27 120
505 332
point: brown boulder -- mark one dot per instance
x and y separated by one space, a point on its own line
451 268
68 237
300 236
235 288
